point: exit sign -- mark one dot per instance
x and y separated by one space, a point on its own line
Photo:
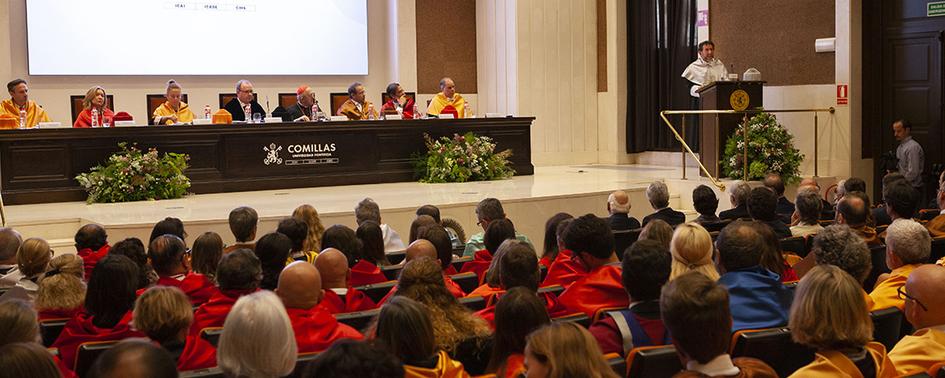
935 8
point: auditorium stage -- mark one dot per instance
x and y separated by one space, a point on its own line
529 201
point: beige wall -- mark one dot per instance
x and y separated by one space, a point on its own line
391 39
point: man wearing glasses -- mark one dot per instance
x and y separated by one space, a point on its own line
925 310
908 245
245 100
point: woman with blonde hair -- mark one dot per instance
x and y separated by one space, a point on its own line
257 339
309 215
173 110
405 329
32 259
457 331
165 314
560 350
692 250
61 293
829 314
94 102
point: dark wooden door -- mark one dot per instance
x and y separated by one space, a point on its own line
907 83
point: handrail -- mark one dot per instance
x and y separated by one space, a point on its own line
715 181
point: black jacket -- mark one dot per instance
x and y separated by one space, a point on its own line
673 217
740 211
236 110
621 222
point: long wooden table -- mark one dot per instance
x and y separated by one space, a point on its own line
40 165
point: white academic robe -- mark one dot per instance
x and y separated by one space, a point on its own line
701 73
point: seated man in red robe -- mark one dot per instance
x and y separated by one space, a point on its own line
238 274
592 241
518 267
109 299
398 102
167 254
424 248
340 296
300 288
646 266
564 269
91 244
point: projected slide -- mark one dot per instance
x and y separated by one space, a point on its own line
224 37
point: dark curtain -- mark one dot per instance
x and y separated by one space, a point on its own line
662 42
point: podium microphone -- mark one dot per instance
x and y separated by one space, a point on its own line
267 105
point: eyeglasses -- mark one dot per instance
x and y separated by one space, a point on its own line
903 295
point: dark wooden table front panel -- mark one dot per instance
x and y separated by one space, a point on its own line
39 166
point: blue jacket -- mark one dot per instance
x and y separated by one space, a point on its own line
757 298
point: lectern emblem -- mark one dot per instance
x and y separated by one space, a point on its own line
272 154
739 100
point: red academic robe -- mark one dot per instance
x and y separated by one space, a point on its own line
564 270
198 353
63 369
545 261
198 287
450 285
389 107
84 120
366 273
479 265
354 301
514 366
316 329
60 313
487 293
552 305
90 258
601 288
80 330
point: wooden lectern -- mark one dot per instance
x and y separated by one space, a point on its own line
716 128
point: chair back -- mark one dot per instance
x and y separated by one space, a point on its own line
554 289
50 329
887 325
336 99
155 100
622 242
474 304
287 100
458 262
214 372
878 257
212 335
357 320
75 103
468 281
794 244
377 291
653 361
392 271
773 346
938 250
617 363
716 226
396 257
88 353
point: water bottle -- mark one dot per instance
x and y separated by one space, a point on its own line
94 117
467 111
416 111
314 116
247 113
22 118
206 111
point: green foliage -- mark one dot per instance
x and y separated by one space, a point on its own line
131 175
770 149
462 158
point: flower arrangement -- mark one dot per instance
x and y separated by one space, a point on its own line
462 158
132 175
770 149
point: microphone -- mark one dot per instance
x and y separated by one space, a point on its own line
267 105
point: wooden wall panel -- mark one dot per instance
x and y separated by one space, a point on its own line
776 37
446 44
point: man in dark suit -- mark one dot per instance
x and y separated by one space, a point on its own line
658 195
244 97
738 195
301 111
761 206
784 208
618 205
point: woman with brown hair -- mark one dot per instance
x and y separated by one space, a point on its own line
560 350
306 213
404 327
518 313
32 259
457 331
95 109
829 314
62 292
27 360
206 254
164 313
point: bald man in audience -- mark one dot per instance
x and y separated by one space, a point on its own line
300 288
853 210
618 205
925 310
134 358
340 297
908 245
9 243
425 248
